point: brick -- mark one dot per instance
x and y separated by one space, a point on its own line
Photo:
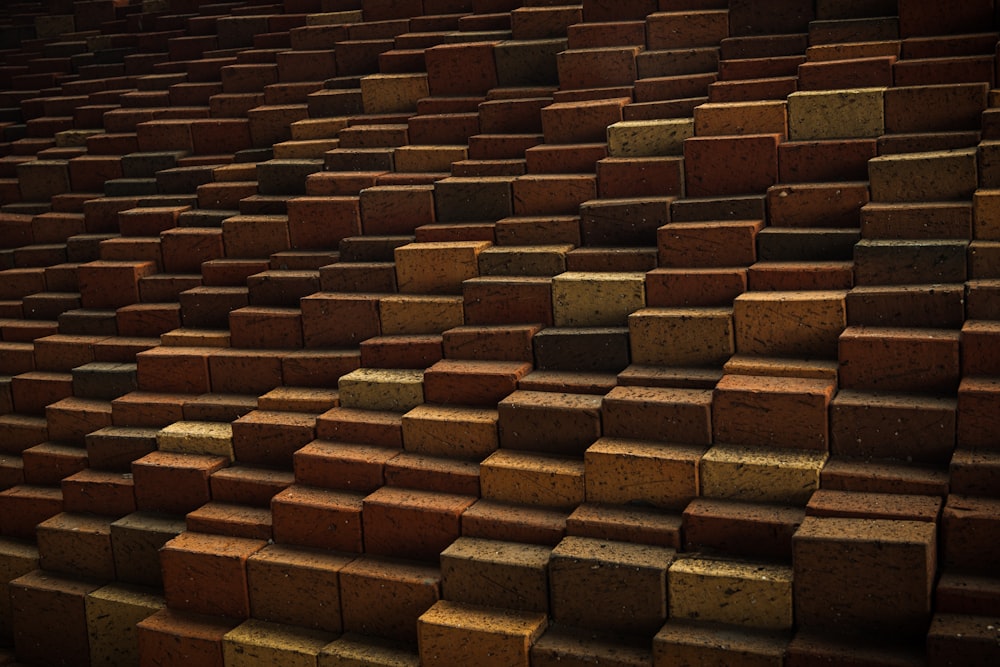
46 464
899 555
733 592
98 492
883 476
113 612
563 645
737 118
180 370
357 316
495 573
434 518
437 268
552 194
135 542
851 73
951 635
498 300
646 465
867 425
817 160
76 545
624 523
596 299
976 398
298 510
502 634
25 507
530 479
461 68
942 107
585 349
847 504
382 389
572 421
254 371
111 284
760 474
963 593
597 67
652 138
695 643
115 447
374 650
710 161
898 306
174 637
171 482
470 382
883 359
973 472
837 114
607 571
906 177
190 437
686 337
620 177
246 485
42 600
384 597
968 530
255 642
669 415
34 391
763 322
453 431
345 466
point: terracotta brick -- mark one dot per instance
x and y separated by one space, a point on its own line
270 438
743 529
115 447
906 177
76 545
42 600
882 358
763 322
496 300
552 194
110 284
669 415
299 509
494 573
48 463
461 68
174 637
970 636
504 635
471 382
435 518
968 530
899 555
709 159
136 540
254 371
883 476
180 370
385 597
525 478
598 67
32 392
849 504
170 482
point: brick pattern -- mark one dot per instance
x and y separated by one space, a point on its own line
363 332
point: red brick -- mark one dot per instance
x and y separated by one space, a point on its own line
316 222
461 68
174 370
384 597
220 585
382 428
899 359
173 483
433 519
98 492
322 518
471 382
270 438
744 529
25 506
41 601
713 164
106 284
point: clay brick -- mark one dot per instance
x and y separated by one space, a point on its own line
866 425
619 177
935 108
498 300
884 476
76 545
298 510
712 164
472 382
191 437
645 464
246 485
374 650
136 540
48 463
977 398
971 637
739 593
534 480
171 482
180 370
115 447
968 532
595 298
111 284
694 643
175 637
384 597
564 645
737 118
361 426
849 504
649 138
98 492
684 337
33 391
396 209
764 322
245 371
667 415
461 68
837 114
624 523
898 555
434 518
336 320
454 633
42 600
556 423
598 67
745 529
437 268
552 194
885 359
817 160
345 466
760 474
908 177
494 573
382 389
452 431
257 642
586 575
851 73
112 614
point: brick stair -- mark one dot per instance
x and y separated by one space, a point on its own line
464 283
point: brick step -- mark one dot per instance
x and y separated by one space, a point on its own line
905 262
891 367
936 306
854 29
26 506
736 69
800 276
752 89
532 480
943 70
782 244
761 474
848 504
964 593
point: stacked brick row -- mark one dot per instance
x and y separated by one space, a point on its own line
452 332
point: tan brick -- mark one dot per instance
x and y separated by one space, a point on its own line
419 314
761 474
734 592
437 268
453 431
189 437
353 650
770 323
382 389
681 336
836 114
255 643
622 472
392 93
934 176
455 634
112 614
648 138
596 299
530 479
